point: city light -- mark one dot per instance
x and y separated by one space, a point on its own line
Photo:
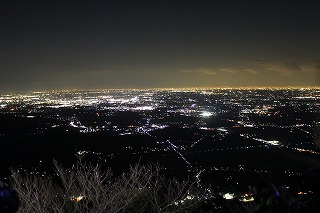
191 129
206 114
228 196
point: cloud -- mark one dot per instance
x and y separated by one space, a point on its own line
211 71
290 67
187 71
310 68
228 70
207 71
284 68
97 72
252 71
204 71
87 72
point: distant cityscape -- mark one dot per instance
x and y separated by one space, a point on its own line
226 138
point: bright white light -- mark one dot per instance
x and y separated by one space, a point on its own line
206 114
73 124
246 199
228 196
143 108
77 199
275 143
135 99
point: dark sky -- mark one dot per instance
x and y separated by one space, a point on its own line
53 44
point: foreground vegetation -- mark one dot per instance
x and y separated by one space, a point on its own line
87 188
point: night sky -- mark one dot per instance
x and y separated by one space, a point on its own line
53 44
